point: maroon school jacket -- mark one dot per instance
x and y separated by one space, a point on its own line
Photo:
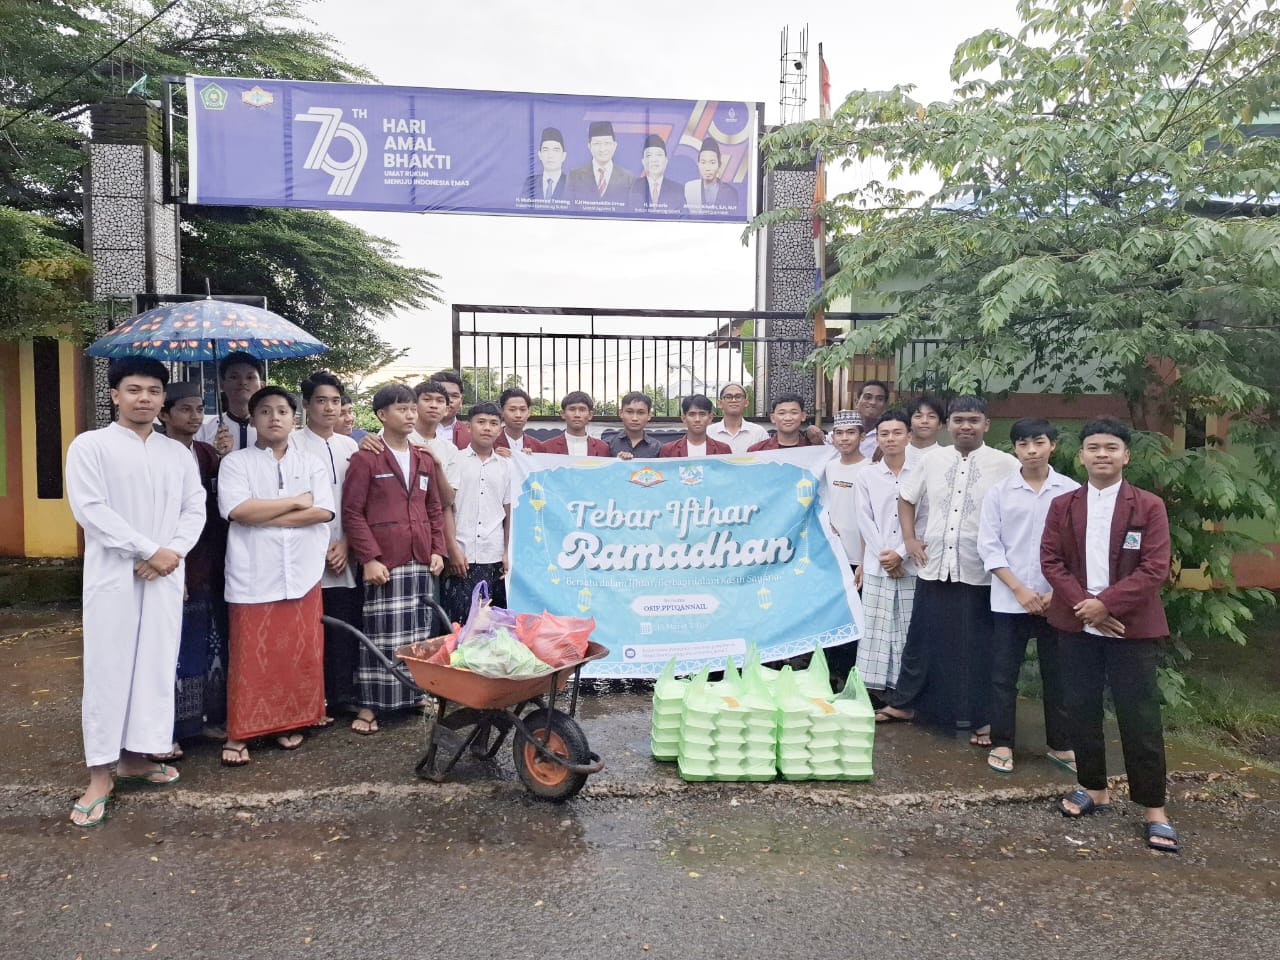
1140 556
386 521
530 444
557 444
680 448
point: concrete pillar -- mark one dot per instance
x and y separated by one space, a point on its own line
130 233
788 285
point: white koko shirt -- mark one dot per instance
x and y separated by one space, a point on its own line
955 487
264 563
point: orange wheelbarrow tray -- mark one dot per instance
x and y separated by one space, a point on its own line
477 713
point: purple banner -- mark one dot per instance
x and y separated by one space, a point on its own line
347 146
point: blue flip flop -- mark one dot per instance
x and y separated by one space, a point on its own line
1086 805
88 812
1164 831
145 778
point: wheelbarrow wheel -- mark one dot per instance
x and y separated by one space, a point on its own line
546 778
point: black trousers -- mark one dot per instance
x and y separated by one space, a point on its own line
946 661
1008 649
843 657
340 651
1128 667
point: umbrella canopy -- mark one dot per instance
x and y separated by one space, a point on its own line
206 330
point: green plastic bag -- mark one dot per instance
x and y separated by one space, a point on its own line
668 709
815 679
499 654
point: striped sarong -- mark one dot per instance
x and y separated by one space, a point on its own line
886 615
395 613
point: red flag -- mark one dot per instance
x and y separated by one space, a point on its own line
824 85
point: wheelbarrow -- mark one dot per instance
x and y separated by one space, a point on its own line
477 713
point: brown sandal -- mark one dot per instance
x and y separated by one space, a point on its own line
235 756
370 726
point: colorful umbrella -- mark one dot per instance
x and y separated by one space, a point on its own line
206 330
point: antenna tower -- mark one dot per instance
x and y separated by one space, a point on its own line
794 76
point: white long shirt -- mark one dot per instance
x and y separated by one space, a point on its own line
955 487
483 494
446 453
1009 533
1097 541
740 442
878 488
265 563
840 494
132 497
335 454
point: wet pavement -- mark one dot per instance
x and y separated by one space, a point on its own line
338 850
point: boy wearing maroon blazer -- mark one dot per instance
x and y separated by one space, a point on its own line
1106 554
575 410
695 412
392 516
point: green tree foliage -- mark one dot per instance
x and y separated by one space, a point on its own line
1103 220
315 269
42 278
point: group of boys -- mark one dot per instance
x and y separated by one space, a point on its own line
926 527
964 554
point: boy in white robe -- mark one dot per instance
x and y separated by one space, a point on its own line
137 495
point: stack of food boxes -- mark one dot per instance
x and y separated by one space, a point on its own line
760 723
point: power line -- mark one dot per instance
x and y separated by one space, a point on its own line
45 98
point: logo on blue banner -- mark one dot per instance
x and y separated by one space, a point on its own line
355 146
735 552
345 172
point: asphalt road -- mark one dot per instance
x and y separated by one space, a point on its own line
727 874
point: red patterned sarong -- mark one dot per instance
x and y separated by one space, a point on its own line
275 680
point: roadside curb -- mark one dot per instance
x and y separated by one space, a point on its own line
35 799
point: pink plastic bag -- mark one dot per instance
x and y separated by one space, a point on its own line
554 640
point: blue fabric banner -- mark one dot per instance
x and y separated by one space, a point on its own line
692 559
285 143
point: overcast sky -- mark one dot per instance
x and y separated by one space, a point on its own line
721 52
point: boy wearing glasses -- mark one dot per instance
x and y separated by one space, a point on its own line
733 430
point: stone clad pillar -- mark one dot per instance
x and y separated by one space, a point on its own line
130 233
789 266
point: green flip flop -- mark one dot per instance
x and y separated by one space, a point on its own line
1065 764
145 778
1000 764
88 812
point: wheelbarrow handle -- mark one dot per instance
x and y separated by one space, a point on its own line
396 670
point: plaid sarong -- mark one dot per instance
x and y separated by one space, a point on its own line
395 613
886 614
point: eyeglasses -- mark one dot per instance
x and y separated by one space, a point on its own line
733 396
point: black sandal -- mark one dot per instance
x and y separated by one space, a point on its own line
1086 806
1159 829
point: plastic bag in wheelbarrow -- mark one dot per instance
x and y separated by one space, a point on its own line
498 654
484 619
553 639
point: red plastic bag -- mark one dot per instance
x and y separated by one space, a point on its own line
554 640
